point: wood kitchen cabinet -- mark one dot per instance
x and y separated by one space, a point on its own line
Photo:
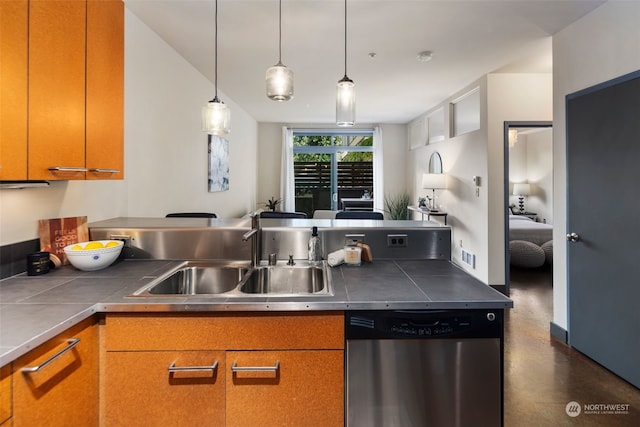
6 399
295 372
63 94
105 90
163 388
57 46
64 391
14 27
285 388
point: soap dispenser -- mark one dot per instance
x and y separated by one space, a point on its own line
315 249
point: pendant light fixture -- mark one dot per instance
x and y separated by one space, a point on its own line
279 77
216 116
346 91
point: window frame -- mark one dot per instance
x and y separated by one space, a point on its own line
333 151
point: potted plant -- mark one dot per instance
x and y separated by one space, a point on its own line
272 204
397 206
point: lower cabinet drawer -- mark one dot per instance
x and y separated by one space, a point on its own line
285 388
255 331
165 388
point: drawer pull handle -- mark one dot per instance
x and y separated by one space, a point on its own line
173 368
236 368
100 170
66 169
72 342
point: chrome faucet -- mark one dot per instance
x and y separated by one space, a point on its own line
255 233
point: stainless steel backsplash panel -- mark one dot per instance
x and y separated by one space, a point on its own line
419 243
221 239
173 238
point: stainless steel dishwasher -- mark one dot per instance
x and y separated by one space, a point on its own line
424 368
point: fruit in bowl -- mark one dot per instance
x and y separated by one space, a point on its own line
93 255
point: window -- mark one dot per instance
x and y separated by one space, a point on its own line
330 166
465 113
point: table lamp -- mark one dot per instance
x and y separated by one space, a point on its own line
521 190
433 181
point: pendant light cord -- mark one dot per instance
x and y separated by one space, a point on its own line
280 33
345 38
215 55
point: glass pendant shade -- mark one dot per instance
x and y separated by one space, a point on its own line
216 118
279 83
346 102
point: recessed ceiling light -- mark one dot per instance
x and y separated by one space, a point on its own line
425 56
372 55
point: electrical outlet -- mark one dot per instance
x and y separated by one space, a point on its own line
397 240
468 258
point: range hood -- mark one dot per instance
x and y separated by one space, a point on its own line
23 184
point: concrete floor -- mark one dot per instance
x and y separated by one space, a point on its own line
542 374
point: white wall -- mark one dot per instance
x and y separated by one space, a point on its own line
478 220
463 157
270 154
540 174
510 97
602 45
20 210
165 151
531 160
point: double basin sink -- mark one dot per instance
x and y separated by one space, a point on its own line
238 279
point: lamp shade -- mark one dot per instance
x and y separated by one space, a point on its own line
346 102
279 83
434 180
216 118
279 77
521 189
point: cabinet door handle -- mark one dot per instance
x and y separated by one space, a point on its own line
174 368
66 169
72 342
101 170
236 368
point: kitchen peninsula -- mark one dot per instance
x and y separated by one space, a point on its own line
202 331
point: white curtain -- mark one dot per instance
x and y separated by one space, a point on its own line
378 173
287 180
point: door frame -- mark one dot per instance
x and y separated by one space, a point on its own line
507 126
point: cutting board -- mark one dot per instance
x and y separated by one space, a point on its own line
56 233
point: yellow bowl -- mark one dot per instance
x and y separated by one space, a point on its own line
93 259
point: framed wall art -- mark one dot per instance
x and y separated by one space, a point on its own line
218 164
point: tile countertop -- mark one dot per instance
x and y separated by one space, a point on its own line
34 309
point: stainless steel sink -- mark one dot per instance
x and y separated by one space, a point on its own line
302 279
197 278
238 279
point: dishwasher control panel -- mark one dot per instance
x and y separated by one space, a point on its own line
423 324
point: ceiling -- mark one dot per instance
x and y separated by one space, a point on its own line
468 39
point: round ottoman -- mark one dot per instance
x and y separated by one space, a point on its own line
525 254
547 248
